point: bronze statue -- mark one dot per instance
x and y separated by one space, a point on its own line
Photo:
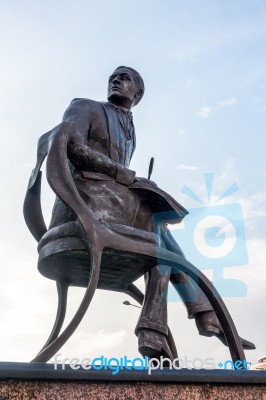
88 168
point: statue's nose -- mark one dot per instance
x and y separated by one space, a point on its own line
116 80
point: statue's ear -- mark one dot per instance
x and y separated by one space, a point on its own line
139 93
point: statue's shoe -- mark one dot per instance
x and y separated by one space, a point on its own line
208 325
153 344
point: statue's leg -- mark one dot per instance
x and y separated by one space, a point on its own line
152 329
190 293
137 295
192 296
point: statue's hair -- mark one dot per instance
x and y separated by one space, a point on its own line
138 80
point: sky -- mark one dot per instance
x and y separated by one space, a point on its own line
204 110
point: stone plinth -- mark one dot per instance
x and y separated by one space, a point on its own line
36 381
35 390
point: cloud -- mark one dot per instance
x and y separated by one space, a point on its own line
104 340
263 109
204 112
228 102
184 167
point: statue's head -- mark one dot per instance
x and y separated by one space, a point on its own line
125 87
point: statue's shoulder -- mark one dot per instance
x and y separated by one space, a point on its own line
84 104
83 107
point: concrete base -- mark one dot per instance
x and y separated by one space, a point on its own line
37 381
34 390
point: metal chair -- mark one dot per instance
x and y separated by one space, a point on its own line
87 253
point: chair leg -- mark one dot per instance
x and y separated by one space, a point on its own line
50 350
178 263
137 295
62 289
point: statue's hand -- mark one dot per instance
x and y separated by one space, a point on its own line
144 180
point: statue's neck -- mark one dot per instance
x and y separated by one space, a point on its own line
126 110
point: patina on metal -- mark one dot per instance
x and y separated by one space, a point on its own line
108 226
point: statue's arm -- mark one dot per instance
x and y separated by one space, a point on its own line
82 156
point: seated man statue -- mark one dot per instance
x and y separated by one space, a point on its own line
101 144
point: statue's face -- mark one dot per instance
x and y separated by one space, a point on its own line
122 88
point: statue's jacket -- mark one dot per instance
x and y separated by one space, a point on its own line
87 167
97 154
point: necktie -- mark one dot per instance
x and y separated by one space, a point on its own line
126 121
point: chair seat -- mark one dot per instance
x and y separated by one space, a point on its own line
64 257
67 260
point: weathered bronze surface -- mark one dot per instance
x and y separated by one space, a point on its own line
103 231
